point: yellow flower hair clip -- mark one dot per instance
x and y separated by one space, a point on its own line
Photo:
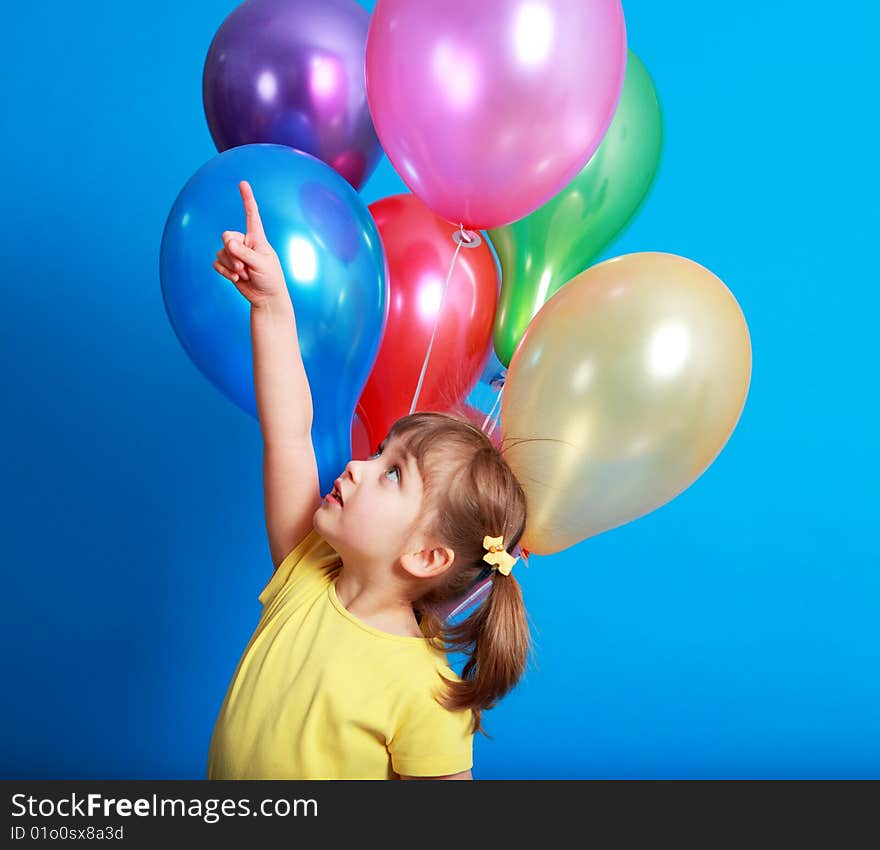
498 555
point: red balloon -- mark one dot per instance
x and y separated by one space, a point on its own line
360 440
419 247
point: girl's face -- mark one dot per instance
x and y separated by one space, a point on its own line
382 499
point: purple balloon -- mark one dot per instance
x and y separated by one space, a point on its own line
291 72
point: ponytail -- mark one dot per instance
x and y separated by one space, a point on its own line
497 639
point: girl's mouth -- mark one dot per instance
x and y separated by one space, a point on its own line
333 498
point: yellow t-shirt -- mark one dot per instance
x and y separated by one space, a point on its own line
319 694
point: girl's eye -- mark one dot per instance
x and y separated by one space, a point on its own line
392 469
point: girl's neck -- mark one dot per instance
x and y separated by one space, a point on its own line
372 604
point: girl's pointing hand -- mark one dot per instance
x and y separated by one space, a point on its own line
247 259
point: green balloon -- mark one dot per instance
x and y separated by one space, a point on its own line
543 251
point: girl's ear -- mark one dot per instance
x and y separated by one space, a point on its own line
429 562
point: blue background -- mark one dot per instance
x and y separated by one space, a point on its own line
731 633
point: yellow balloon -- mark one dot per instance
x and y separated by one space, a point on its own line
624 388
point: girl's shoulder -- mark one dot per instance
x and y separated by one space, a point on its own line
312 560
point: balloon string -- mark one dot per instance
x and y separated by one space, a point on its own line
498 414
436 322
481 588
490 414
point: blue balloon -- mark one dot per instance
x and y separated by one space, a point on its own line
336 274
495 370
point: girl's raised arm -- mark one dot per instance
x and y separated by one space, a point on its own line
291 488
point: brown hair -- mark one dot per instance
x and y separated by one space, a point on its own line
470 491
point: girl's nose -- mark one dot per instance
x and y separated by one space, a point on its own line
351 470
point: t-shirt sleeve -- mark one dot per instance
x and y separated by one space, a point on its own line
432 740
296 563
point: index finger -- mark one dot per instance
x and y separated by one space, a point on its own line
253 223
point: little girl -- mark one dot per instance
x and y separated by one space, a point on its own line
346 675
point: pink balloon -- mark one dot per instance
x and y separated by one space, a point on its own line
487 110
